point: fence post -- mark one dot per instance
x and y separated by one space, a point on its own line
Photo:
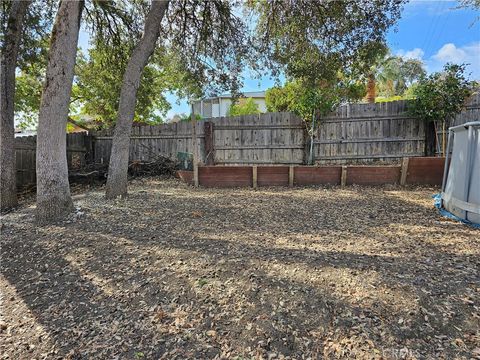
89 148
209 143
404 171
254 177
430 137
195 149
343 180
291 172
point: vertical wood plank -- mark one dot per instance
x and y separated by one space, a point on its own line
343 180
195 150
404 171
291 173
209 143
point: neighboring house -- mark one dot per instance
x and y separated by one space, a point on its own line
19 132
218 106
74 126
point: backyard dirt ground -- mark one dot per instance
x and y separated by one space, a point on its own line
178 273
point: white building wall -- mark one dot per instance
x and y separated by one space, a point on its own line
225 106
220 106
262 105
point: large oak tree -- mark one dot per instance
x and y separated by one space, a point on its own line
12 34
212 41
53 191
117 174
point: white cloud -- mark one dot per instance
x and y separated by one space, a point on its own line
468 54
449 53
416 53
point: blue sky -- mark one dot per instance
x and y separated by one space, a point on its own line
433 31
437 33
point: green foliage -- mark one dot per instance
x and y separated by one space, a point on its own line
394 75
98 82
300 98
325 49
409 94
313 40
388 99
214 41
188 117
37 25
243 107
28 87
442 95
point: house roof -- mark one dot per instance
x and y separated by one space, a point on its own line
247 94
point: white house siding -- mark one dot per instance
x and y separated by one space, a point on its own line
219 106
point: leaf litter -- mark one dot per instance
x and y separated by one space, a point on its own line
174 272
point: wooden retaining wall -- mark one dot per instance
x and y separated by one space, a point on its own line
418 171
317 175
373 175
428 170
225 176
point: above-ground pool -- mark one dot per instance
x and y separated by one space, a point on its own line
461 179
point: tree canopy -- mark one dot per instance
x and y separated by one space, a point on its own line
394 75
325 49
441 95
97 86
205 47
313 40
301 99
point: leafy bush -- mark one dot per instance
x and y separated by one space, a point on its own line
246 107
303 99
442 95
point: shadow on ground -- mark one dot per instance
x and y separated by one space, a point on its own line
175 272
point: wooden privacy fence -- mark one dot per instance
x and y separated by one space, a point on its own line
79 153
354 133
148 142
470 113
369 132
380 131
271 138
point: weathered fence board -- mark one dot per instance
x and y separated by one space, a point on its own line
354 133
369 132
271 138
148 142
78 154
381 131
470 113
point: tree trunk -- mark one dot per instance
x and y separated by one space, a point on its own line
53 190
118 166
371 93
8 64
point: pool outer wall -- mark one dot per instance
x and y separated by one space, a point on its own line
461 178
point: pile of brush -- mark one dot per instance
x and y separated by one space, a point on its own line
97 173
